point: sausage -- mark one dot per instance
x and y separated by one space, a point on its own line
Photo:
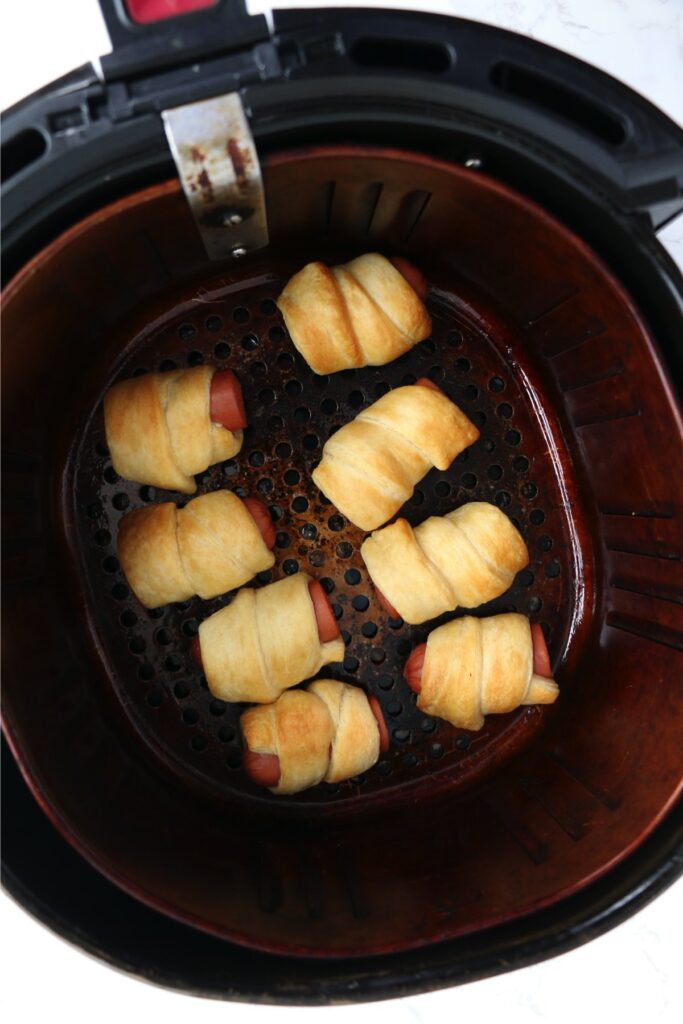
386 604
381 725
226 401
262 769
414 277
324 616
261 516
425 382
541 656
196 649
413 668
415 663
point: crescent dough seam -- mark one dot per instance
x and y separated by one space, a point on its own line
438 573
388 487
259 646
167 431
358 351
503 577
375 303
393 430
480 673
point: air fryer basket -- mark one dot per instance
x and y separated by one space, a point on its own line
451 832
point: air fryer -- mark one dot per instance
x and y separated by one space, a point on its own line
528 187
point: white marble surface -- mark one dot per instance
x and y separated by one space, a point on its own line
631 974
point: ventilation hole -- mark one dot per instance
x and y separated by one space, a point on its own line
266 396
268 307
102 538
529 490
164 637
356 399
294 388
181 691
351 664
552 569
198 743
463 456
436 373
344 550
537 516
401 735
546 630
502 499
535 603
265 576
471 392
328 406
283 450
290 566
282 540
369 630
462 743
520 463
309 532
346 637
454 338
257 369
276 512
526 577
417 497
352 577
222 350
155 613
213 323
489 445
195 358
190 627
173 663
120 501
256 458
166 365
285 361
230 467
190 716
148 493
428 345
496 384
377 654
110 564
226 734
463 365
155 698
394 708
217 708
146 672
360 603
94 510
292 477
302 415
275 424
338 611
136 645
403 647
336 523
110 475
384 768
408 378
513 437
119 591
316 557
264 485
479 419
468 480
442 489
504 410
128 618
322 499
380 389
494 472
240 315
234 760
310 442
186 332
385 681
276 333
395 623
545 542
327 584
428 725
240 492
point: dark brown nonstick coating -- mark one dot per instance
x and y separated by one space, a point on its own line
292 412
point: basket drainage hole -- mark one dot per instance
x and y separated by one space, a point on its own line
181 691
300 504
102 538
352 577
292 477
190 716
222 350
198 743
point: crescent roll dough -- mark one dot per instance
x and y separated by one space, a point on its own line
362 313
264 642
476 667
209 547
325 732
159 428
371 465
466 557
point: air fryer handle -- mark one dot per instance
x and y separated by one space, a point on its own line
161 42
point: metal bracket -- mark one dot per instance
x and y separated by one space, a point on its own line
219 169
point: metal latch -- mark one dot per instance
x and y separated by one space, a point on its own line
219 169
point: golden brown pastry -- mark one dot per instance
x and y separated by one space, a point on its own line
215 543
474 667
163 428
371 465
362 313
266 641
327 732
466 557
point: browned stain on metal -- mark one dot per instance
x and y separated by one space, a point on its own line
204 181
240 159
196 154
